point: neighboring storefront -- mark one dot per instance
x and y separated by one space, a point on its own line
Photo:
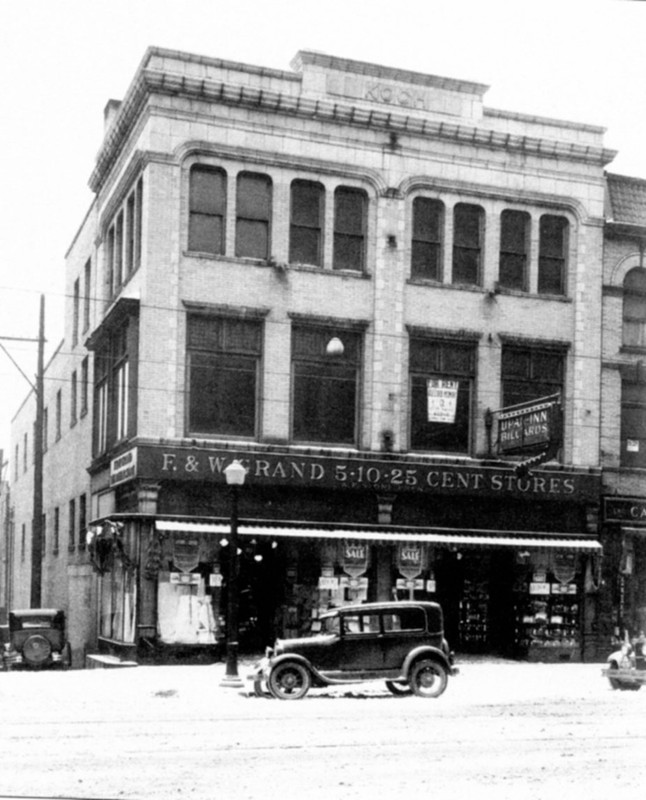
513 560
624 527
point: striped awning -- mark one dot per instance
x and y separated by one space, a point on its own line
465 538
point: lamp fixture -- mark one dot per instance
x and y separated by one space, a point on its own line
334 347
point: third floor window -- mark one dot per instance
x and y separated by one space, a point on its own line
468 223
634 308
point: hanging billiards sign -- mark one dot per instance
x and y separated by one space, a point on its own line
528 427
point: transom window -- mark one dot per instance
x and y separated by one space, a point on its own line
468 223
325 387
634 308
223 366
552 251
428 218
441 386
514 247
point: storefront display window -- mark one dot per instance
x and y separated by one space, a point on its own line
185 613
118 601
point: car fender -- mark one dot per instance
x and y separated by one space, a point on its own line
317 678
425 651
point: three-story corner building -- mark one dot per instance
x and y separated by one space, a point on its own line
623 400
338 275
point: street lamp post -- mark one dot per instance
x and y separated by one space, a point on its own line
235 475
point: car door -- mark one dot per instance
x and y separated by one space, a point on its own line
404 629
360 646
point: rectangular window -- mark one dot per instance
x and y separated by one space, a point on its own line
115 379
73 398
110 261
23 537
82 529
223 362
253 215
139 196
118 252
441 386
552 250
59 414
71 525
118 603
85 379
633 424
514 245
57 529
86 294
130 234
325 386
529 373
207 210
306 220
467 243
76 312
349 228
428 220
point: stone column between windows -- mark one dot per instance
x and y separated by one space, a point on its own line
388 338
447 249
532 264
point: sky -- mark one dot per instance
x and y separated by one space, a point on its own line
62 60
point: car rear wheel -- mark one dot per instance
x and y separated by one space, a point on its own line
36 650
623 686
428 678
399 688
289 681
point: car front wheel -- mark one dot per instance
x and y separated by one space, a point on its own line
428 678
289 681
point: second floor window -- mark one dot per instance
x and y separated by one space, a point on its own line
634 308
207 210
325 386
529 373
514 246
428 216
468 221
306 221
552 253
253 215
123 246
223 369
441 387
71 525
349 228
633 423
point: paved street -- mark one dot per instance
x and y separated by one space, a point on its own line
502 730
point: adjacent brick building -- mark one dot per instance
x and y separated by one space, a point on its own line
338 275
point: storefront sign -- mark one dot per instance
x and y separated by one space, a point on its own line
539 588
354 558
563 588
441 400
123 467
328 584
530 426
186 554
410 583
410 559
430 586
353 583
183 578
394 475
626 509
564 567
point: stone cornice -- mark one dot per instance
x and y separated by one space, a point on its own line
149 81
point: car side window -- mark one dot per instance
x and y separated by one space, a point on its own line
361 623
406 619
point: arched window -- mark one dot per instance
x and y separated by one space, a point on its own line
634 312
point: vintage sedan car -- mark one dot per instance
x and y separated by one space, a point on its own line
37 640
401 643
626 667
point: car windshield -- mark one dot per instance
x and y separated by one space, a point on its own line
329 625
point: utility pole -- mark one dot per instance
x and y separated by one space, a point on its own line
37 522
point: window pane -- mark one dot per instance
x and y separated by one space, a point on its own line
349 207
205 234
348 252
514 226
552 236
306 203
466 266
528 374
551 255
222 394
207 191
305 246
439 436
466 225
425 262
254 196
252 239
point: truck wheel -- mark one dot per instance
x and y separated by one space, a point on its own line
289 681
428 678
36 650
